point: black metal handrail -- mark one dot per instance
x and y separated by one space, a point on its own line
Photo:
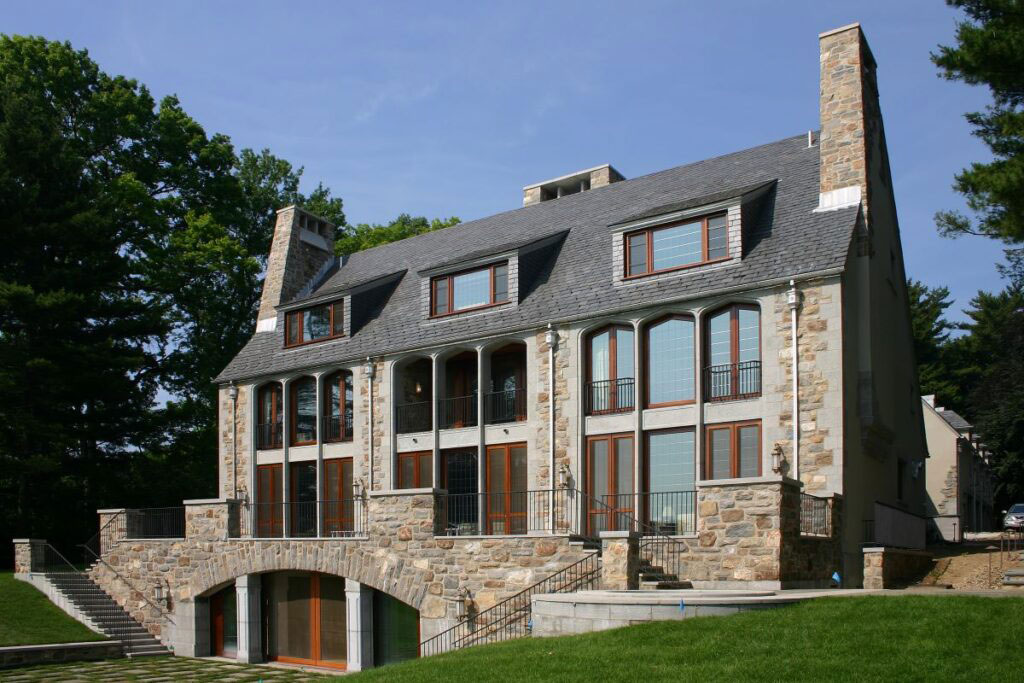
154 523
456 412
732 381
341 518
413 417
337 428
609 396
508 405
504 513
815 515
270 435
510 618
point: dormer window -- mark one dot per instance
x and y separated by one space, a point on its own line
469 289
681 244
313 324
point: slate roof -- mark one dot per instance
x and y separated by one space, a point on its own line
955 420
787 239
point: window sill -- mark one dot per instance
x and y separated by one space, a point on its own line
484 307
676 269
299 345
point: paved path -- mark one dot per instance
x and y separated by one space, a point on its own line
156 670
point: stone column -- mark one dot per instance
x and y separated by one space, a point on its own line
247 591
190 630
207 519
620 560
359 624
28 555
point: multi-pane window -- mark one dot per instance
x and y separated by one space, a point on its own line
303 411
338 407
733 450
685 243
470 289
339 506
326 321
270 415
670 361
670 499
416 470
610 377
734 353
507 501
609 482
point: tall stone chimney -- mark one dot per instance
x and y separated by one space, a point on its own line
852 142
302 249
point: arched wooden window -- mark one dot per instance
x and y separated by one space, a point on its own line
669 360
338 407
302 415
732 343
610 374
270 414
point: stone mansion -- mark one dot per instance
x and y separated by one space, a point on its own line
717 355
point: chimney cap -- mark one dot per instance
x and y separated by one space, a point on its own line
848 27
576 175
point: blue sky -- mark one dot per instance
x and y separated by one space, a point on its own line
449 108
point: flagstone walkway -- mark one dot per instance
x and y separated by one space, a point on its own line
156 670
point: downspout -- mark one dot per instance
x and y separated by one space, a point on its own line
370 371
233 393
794 304
550 338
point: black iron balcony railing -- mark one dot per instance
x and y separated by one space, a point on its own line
337 428
815 515
732 381
337 519
505 406
609 396
508 513
413 417
269 435
149 523
460 411
672 513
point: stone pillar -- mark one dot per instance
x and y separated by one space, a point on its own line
28 555
620 560
190 631
247 591
207 519
359 622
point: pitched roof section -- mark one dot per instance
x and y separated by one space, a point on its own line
787 239
955 420
698 201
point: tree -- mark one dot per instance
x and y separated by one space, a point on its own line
931 341
363 236
989 51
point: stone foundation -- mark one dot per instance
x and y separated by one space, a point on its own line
31 655
894 567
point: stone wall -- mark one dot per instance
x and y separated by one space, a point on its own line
235 444
565 407
292 262
894 567
401 556
31 655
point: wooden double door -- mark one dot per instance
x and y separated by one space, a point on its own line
609 485
305 618
336 510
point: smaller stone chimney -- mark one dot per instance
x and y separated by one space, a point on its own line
580 181
303 247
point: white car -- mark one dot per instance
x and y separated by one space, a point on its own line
1014 518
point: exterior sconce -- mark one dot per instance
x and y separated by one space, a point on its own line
563 476
777 459
159 594
550 337
918 466
233 392
462 604
369 368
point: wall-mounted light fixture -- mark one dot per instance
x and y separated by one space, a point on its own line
370 368
777 459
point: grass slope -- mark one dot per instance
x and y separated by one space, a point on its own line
905 638
27 617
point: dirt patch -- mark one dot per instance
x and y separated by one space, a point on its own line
972 566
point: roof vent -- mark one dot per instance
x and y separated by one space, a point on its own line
580 181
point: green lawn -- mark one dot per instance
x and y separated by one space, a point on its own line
27 617
904 638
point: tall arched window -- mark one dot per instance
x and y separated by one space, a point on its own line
303 411
338 407
610 374
271 411
669 361
733 347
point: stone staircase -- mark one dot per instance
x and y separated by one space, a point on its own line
101 612
1013 577
653 577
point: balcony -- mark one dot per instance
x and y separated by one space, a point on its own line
609 396
413 417
509 513
337 518
269 436
732 381
815 516
337 428
457 412
505 406
670 513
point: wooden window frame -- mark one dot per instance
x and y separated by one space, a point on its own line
649 241
293 413
417 458
734 447
613 476
337 378
276 407
314 629
646 360
734 346
613 364
450 278
506 516
645 465
274 518
343 515
294 318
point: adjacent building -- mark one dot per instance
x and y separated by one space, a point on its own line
717 354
